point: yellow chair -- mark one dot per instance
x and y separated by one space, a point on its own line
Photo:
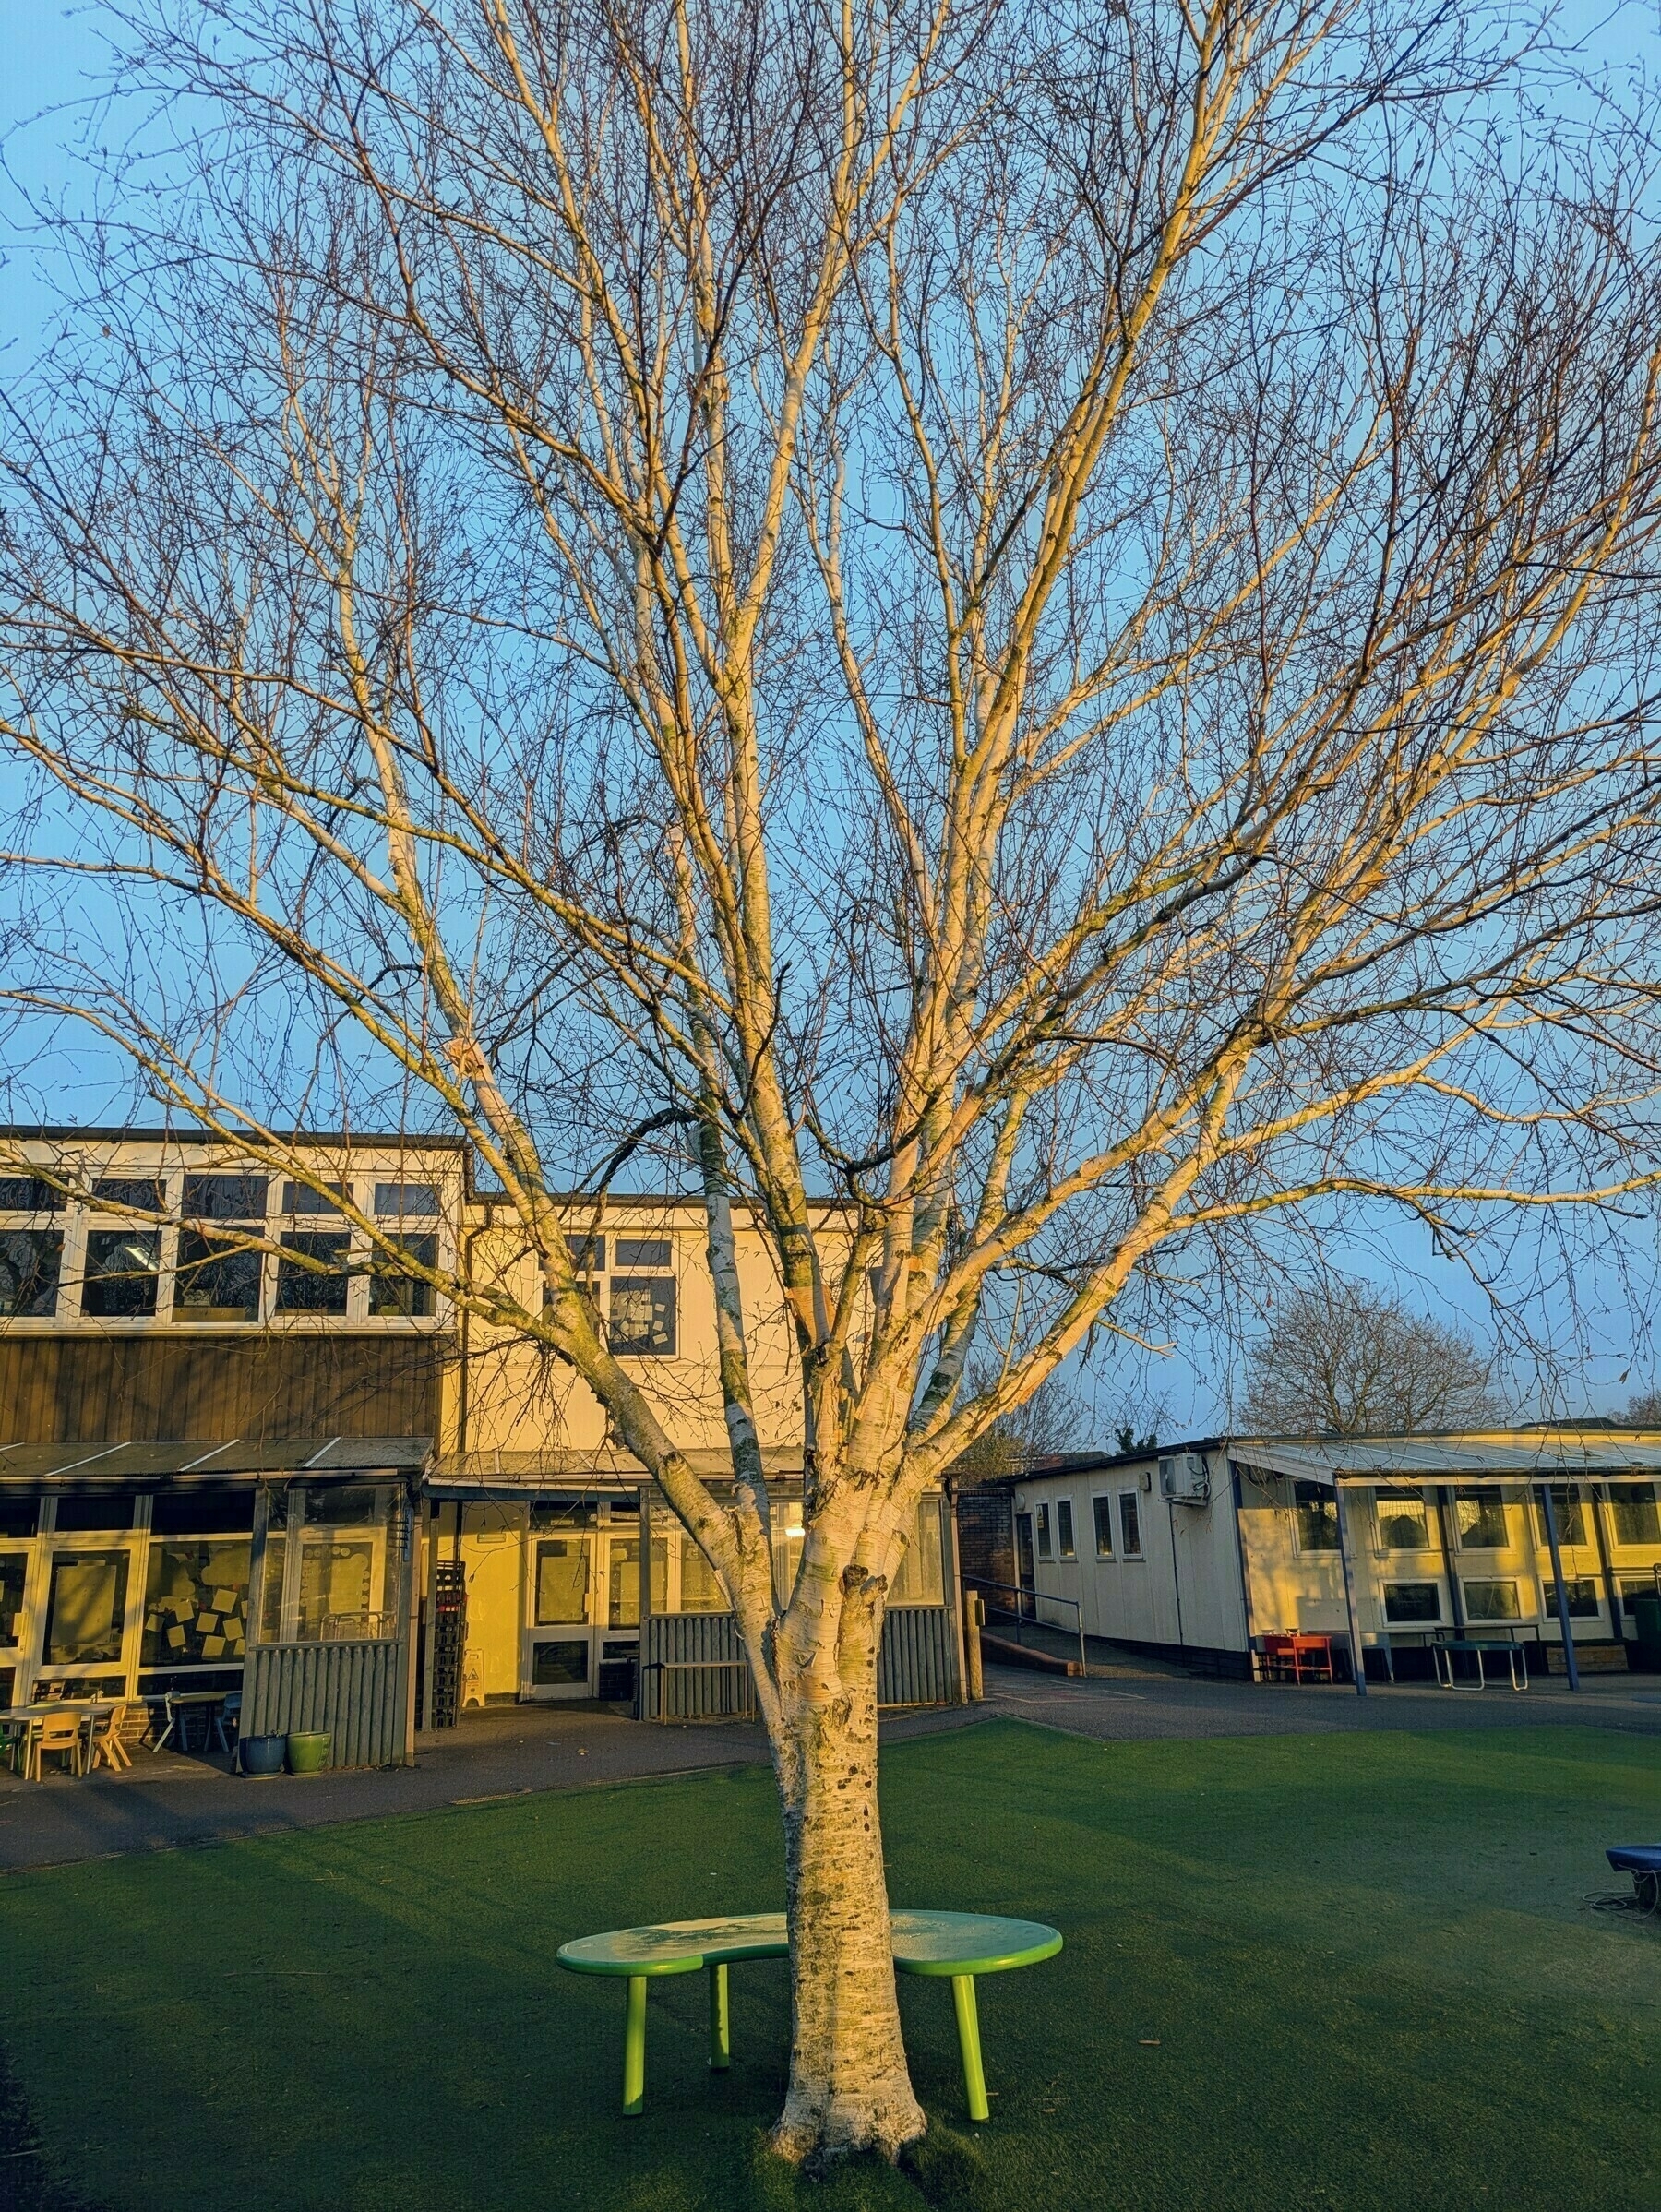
103 1738
59 1733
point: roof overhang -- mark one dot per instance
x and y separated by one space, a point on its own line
205 1460
1555 1455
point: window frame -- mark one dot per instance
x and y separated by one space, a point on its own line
1130 1524
1067 1545
1098 1500
1042 1538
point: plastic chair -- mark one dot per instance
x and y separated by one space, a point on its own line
230 1710
59 1733
103 1738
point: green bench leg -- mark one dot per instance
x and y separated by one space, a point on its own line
634 2045
721 2038
968 2025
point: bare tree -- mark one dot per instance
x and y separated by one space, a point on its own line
1037 621
1643 1411
1346 1359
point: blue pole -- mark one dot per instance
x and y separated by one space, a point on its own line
1358 1664
1557 1584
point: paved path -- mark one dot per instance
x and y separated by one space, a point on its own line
167 1802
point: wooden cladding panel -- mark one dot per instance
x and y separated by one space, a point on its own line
918 1664
159 1388
352 1692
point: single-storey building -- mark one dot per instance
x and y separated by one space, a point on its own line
1214 1552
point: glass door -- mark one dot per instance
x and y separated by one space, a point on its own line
93 1604
13 1597
559 1639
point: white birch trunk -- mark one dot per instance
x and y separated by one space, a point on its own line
850 2086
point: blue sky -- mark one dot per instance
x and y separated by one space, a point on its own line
55 57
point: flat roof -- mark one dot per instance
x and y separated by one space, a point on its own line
204 1459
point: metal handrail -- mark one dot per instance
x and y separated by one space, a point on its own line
1036 1598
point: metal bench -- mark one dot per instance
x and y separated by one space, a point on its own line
955 1945
1513 1654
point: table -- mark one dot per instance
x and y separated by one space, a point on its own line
177 1701
19 1720
957 1945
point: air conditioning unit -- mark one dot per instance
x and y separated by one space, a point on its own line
1184 1477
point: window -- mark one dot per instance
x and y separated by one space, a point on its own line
1411 1603
1102 1510
787 1540
224 1198
30 1261
86 1610
642 1315
315 1280
392 1292
1481 1519
1064 1528
406 1202
205 1513
216 1281
1636 1518
700 1591
623 1578
1492 1601
920 1578
1315 1515
1580 1591
28 1194
94 1511
18 1516
121 1273
300 1197
1130 1524
644 1252
1046 1550
340 1566
141 1191
14 1573
1568 1511
588 1255
196 1603
1403 1521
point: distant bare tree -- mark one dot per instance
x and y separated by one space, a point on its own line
1643 1411
1344 1359
1037 620
1053 1420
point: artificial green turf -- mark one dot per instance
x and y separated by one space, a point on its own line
1347 1973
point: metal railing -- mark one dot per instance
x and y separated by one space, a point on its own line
1025 1609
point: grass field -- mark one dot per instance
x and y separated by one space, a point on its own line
1311 1974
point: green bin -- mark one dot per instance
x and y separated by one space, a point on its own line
1645 1606
308 1752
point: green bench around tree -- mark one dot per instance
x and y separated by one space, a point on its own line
956 1944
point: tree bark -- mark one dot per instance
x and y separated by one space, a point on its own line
850 2086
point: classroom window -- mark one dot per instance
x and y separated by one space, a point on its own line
314 1281
1315 1515
196 1603
1101 1512
31 1262
215 1281
1492 1601
14 1573
300 1197
86 1608
1408 1604
642 1315
1568 1511
1579 1591
1481 1521
224 1198
406 1202
920 1578
1403 1521
644 1251
1063 1529
121 1273
392 1292
141 1192
1130 1524
1636 1518
700 1590
28 1194
1046 1548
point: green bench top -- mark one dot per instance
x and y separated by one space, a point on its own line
924 1942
